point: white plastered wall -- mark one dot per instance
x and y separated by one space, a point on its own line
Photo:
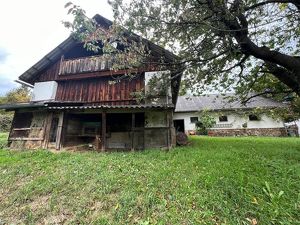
187 121
235 121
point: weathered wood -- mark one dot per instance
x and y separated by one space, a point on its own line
85 64
26 139
132 130
181 138
64 130
103 133
61 60
47 130
12 126
59 131
168 130
25 128
99 74
98 142
100 90
49 74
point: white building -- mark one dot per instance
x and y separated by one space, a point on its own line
232 118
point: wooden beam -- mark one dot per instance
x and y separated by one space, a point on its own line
132 130
59 131
98 142
103 143
21 129
12 125
64 129
26 139
47 129
168 131
106 73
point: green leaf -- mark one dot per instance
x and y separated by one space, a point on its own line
68 4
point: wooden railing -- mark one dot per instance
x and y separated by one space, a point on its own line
84 65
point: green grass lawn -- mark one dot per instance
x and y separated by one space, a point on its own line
212 181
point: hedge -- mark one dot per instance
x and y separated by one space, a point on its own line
5 122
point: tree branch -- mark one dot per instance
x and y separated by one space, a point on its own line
265 93
269 2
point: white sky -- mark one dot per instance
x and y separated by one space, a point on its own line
32 28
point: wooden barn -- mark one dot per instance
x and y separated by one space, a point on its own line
77 102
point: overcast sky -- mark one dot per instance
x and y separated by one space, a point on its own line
32 28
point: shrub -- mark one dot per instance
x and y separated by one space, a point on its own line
206 121
3 140
5 122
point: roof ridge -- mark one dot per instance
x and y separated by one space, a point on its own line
188 103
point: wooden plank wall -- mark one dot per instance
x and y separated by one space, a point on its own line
50 74
86 64
100 90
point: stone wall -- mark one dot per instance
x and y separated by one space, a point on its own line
271 132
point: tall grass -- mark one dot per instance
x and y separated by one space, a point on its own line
211 181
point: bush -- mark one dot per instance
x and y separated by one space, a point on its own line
3 140
5 122
206 121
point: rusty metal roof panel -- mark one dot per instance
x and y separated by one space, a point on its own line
28 105
145 106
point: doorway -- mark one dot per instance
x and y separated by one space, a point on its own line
179 125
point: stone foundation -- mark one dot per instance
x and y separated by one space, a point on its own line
270 132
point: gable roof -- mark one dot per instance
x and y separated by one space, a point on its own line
47 60
221 102
70 42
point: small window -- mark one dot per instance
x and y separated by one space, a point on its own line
223 119
253 117
194 119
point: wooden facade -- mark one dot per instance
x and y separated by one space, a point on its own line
93 104
106 90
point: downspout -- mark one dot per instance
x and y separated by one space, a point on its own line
24 83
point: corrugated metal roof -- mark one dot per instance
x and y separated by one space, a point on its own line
148 106
221 102
66 105
22 105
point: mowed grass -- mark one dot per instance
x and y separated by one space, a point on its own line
211 181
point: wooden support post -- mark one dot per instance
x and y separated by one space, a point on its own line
168 131
61 64
47 128
132 130
11 129
103 142
12 126
59 131
64 129
98 142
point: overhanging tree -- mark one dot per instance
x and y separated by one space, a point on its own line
250 45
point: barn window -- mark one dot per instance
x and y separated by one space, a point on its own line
194 119
253 117
223 119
